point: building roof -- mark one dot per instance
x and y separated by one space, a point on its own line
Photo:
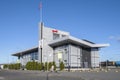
73 40
63 41
26 51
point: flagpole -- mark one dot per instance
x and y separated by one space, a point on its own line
40 6
40 33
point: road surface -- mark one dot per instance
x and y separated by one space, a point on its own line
39 75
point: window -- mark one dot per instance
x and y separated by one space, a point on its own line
34 56
63 35
65 51
65 60
56 36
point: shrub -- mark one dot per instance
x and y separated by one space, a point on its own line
53 63
49 65
5 66
46 66
42 66
39 66
29 66
62 66
15 66
34 66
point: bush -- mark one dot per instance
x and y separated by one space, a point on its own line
42 66
46 66
62 66
53 63
28 66
49 65
31 65
5 66
34 66
38 66
15 66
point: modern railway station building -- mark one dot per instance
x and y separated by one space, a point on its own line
56 45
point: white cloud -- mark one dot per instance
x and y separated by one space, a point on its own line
115 38
111 37
118 39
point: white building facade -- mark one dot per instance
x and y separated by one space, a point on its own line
56 45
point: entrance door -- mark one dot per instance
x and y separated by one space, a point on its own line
85 64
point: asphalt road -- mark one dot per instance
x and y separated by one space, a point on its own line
39 75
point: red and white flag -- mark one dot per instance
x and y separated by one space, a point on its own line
40 5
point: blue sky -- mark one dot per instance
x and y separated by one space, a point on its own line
95 20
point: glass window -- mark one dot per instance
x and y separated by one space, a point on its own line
63 35
65 51
56 36
34 56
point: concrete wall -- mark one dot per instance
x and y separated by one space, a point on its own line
47 51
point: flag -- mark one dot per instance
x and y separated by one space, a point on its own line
40 5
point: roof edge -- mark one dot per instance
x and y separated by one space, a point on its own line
101 45
17 53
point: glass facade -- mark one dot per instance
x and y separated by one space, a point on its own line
34 56
29 57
